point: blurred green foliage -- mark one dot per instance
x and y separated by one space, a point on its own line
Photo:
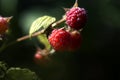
16 73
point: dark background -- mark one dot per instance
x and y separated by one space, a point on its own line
98 57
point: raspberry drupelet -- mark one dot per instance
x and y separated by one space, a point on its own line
59 39
76 18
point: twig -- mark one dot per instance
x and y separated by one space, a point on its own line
40 32
28 36
33 35
58 22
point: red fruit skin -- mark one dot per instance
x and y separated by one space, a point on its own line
59 39
38 56
76 41
76 18
3 25
41 59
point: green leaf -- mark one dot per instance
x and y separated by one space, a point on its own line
3 69
42 23
43 39
20 74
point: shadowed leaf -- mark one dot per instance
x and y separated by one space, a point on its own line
43 39
20 74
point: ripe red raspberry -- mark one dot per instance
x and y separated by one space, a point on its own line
59 39
76 18
3 25
76 41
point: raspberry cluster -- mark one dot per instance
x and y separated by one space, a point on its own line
69 39
63 40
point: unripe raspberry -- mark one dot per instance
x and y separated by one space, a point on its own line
76 18
3 25
38 56
59 39
76 41
41 57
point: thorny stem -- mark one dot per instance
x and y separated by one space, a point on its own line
33 35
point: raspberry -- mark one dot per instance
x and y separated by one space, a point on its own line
3 25
76 18
76 41
40 57
59 39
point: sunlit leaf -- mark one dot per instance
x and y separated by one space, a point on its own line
43 39
42 23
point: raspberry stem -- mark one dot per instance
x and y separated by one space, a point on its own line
76 3
40 32
27 36
58 22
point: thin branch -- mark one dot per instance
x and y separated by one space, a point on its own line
58 22
28 36
33 35
40 32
